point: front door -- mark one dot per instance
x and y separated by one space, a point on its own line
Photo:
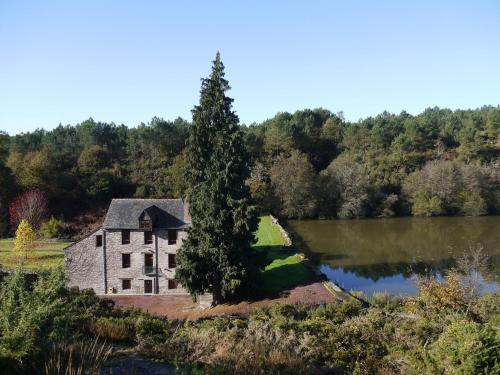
148 286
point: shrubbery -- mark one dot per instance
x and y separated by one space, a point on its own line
53 228
444 329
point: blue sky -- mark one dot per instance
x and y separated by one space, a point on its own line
121 61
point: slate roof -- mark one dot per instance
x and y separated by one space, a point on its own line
166 213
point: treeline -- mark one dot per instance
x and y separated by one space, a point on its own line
84 166
306 164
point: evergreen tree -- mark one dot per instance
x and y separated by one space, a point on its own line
217 255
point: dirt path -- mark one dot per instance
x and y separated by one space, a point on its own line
182 306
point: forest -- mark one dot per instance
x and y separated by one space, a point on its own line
311 163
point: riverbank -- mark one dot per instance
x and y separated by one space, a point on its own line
385 255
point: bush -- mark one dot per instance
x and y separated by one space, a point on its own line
437 297
487 308
464 347
151 331
54 228
37 311
114 329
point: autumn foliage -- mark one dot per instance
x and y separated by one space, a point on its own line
31 206
24 240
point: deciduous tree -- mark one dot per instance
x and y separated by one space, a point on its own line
25 236
31 206
348 182
294 182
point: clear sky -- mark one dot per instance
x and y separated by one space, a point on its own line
127 61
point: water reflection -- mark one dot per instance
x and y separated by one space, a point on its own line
384 254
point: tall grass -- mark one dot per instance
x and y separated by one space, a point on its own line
111 329
84 358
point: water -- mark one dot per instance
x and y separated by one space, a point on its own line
385 254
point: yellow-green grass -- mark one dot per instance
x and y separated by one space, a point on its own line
283 270
46 254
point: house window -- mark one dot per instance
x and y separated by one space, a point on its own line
125 236
125 260
98 240
148 237
126 284
145 224
148 268
148 260
172 284
171 261
148 286
172 236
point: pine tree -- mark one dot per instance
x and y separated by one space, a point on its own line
217 255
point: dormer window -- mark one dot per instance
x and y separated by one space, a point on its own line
145 222
145 225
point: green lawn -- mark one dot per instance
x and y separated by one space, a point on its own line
47 254
284 270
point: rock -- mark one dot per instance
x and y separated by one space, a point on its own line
135 365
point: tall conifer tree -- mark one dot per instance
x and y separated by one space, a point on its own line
216 257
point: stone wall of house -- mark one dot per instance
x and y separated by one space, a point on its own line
137 250
84 263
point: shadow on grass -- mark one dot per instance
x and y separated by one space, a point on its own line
47 257
272 253
284 274
284 277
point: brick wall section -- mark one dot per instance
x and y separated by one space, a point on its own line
85 262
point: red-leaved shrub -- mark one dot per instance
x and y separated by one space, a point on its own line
31 205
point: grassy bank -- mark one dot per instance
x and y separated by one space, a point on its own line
46 254
284 270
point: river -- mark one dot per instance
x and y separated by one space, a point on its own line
377 255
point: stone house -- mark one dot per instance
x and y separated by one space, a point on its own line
134 251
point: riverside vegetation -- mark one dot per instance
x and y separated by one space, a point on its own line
446 328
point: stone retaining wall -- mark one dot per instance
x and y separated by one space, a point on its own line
284 233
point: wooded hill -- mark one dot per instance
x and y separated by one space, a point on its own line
306 164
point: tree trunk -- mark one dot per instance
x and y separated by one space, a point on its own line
216 290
